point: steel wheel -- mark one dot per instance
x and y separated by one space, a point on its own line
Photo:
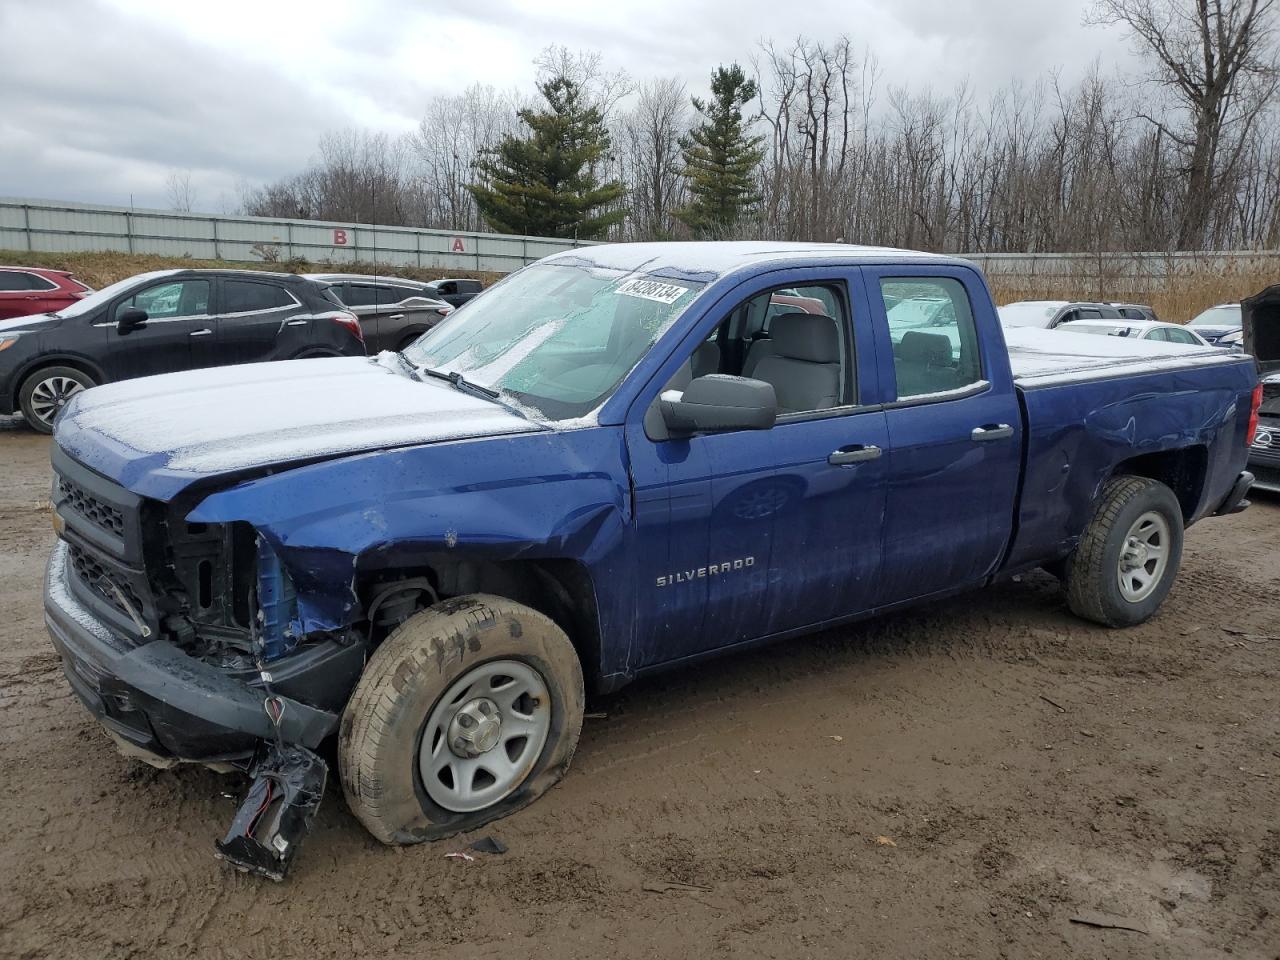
484 735
1144 556
51 395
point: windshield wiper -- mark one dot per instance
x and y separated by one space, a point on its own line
408 366
462 383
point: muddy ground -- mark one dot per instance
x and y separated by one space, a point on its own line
956 782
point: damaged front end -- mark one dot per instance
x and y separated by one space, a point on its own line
184 640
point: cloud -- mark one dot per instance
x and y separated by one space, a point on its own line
241 90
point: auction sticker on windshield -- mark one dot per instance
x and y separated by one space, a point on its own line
652 290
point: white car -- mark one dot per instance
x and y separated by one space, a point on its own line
1138 330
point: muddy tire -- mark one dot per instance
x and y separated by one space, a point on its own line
1127 560
469 711
44 392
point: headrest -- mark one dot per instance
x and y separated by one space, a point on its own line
930 348
805 336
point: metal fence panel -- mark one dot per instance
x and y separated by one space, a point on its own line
55 227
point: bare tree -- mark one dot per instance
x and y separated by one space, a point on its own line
179 191
650 142
1218 60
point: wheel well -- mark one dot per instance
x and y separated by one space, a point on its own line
1182 471
560 589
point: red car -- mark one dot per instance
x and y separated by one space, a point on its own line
28 290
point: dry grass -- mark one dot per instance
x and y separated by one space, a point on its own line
1186 288
100 269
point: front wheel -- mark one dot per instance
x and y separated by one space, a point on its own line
469 711
44 393
1128 558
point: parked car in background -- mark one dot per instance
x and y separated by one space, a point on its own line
28 290
164 322
1136 311
1216 322
1047 314
393 311
456 291
1232 341
1138 330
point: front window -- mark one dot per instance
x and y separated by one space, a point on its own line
557 337
107 294
1029 313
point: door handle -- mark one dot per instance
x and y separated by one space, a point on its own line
398 316
998 431
199 333
856 453
297 323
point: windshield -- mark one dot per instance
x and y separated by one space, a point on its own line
1225 315
91 303
556 337
1028 313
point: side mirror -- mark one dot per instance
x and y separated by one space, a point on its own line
130 319
717 403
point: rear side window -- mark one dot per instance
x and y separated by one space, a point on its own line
11 280
935 343
359 295
249 296
468 286
1179 336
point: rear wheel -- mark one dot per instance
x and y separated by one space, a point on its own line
44 393
1128 558
469 711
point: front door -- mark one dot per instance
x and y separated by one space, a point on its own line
954 431
752 533
177 318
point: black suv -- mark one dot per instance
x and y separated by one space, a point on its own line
164 322
393 311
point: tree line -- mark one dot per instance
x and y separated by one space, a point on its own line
803 141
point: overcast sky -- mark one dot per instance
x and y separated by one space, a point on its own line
103 98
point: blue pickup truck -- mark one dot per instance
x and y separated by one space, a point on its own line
620 459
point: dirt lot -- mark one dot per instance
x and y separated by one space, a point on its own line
957 782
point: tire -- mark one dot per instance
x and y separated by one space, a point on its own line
46 391
393 764
1109 580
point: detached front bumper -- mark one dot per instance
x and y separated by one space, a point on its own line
158 702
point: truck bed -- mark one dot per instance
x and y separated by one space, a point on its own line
1049 357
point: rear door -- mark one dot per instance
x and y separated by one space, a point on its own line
177 321
954 433
257 320
22 294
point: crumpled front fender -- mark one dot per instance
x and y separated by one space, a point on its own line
533 496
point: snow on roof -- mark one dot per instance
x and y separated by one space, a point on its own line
716 258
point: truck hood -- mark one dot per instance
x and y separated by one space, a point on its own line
158 435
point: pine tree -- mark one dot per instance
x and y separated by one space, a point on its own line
720 158
545 184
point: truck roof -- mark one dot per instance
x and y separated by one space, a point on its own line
718 258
